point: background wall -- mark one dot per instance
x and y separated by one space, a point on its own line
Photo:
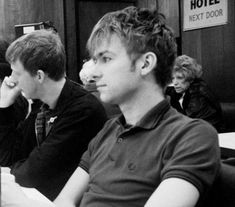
14 12
214 48
170 8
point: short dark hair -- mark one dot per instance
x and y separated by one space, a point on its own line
141 30
39 50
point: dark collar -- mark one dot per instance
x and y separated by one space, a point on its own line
65 95
151 118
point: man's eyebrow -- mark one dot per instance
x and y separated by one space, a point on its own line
100 54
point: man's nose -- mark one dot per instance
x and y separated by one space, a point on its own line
95 73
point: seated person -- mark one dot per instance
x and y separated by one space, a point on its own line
21 104
90 85
191 96
151 155
45 149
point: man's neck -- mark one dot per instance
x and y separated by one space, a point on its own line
52 91
135 109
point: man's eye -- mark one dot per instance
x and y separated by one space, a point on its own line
94 60
106 59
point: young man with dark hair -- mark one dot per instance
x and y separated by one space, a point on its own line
44 150
151 155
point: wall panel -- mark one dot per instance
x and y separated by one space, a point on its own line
13 12
147 3
214 48
170 8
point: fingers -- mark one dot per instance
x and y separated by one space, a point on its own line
9 92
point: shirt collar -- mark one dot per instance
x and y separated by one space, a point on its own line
151 118
65 95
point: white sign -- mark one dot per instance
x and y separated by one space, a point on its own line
28 29
204 13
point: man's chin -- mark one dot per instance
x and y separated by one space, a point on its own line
106 100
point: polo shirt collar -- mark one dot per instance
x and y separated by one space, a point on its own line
151 118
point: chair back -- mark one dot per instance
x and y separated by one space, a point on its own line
223 190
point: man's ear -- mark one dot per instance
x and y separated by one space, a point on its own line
148 62
40 76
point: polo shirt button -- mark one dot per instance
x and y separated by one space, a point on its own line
131 166
120 140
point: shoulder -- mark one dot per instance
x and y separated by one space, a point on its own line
192 152
105 133
190 137
83 99
76 105
199 86
202 90
183 127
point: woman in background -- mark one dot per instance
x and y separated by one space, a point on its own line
191 96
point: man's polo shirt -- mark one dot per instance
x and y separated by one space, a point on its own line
127 163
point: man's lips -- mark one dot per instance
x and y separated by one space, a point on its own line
100 85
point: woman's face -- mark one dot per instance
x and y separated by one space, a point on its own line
179 82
